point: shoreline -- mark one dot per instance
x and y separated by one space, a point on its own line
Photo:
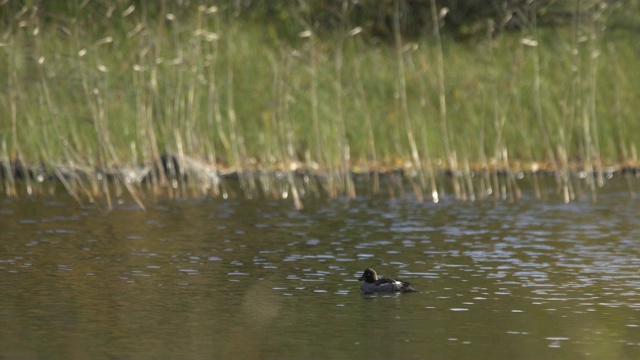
180 176
176 166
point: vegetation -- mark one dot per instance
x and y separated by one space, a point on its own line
176 95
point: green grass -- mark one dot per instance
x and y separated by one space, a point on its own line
94 90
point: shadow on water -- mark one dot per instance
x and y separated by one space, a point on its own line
258 279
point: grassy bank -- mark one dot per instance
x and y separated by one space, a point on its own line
117 88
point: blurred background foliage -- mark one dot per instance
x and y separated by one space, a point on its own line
484 84
463 19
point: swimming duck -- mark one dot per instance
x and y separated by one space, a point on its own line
374 284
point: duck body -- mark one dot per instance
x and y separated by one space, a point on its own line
373 284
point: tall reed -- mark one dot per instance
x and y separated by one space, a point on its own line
403 104
371 161
442 104
177 97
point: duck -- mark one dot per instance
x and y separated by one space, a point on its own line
373 284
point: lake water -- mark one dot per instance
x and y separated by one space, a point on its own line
256 279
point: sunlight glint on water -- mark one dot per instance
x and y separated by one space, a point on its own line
257 279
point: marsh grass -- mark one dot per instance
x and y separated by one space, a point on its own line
171 101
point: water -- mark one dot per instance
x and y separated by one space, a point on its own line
257 279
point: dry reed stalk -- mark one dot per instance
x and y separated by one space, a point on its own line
224 138
274 152
68 154
442 103
90 93
148 104
181 183
486 189
9 181
191 142
428 165
236 140
485 177
310 183
514 189
213 101
533 172
633 169
587 140
195 69
567 190
628 157
284 128
315 117
594 54
321 133
471 195
344 148
402 99
22 161
561 176
101 137
491 175
366 112
634 157
287 129
210 145
624 153
324 170
69 186
106 151
44 99
102 134
498 163
144 113
12 87
176 113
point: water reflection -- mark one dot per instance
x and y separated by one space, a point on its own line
235 279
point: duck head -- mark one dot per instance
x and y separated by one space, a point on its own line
369 275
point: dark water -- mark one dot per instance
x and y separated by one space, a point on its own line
257 279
